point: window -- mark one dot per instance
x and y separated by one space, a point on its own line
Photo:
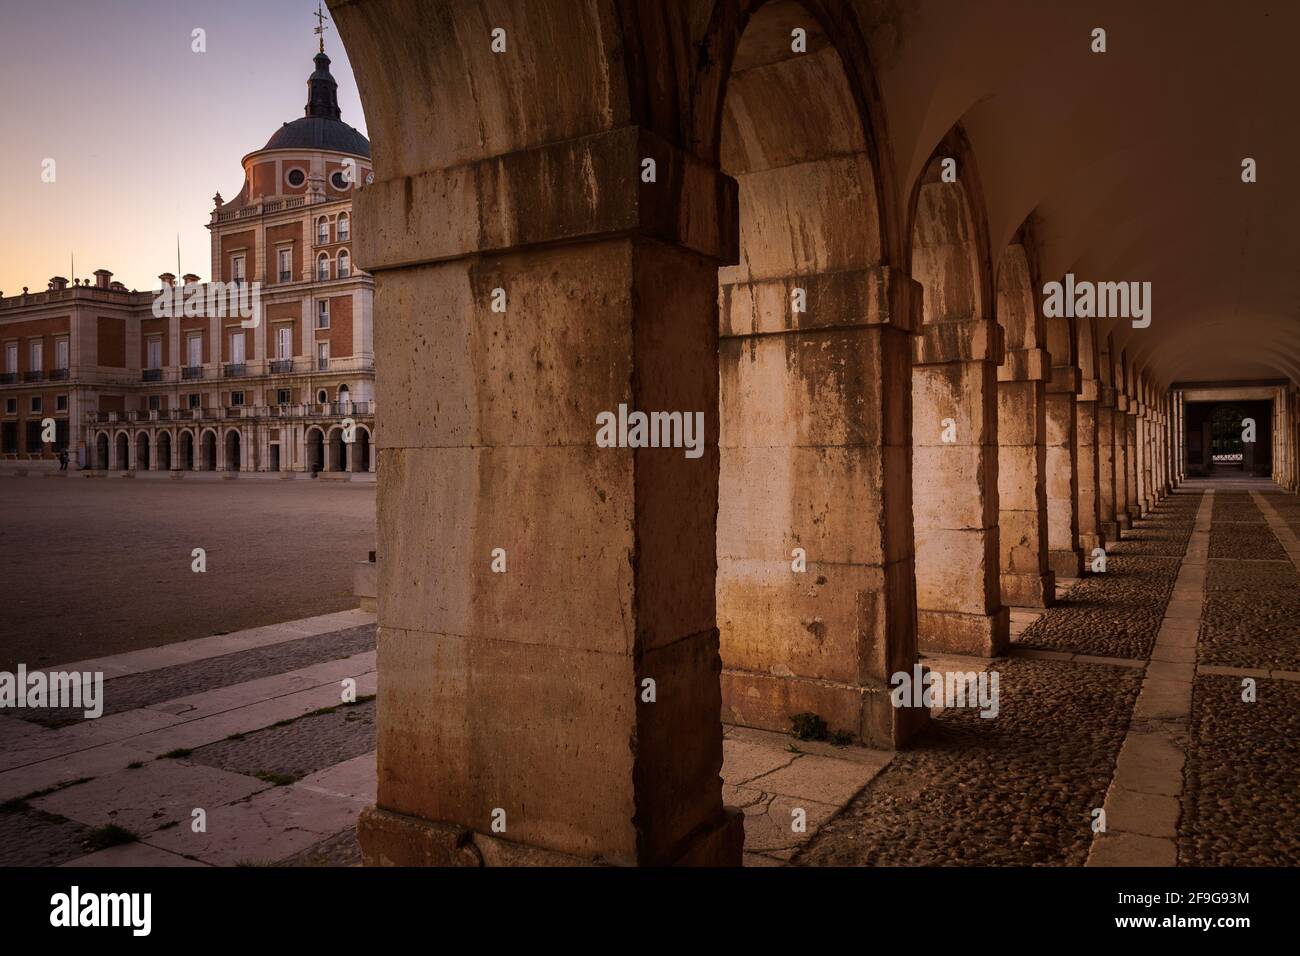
286 265
60 403
295 178
284 342
339 181
194 349
154 346
343 227
237 348
322 231
61 354
236 398
155 402
9 441
323 314
345 265
35 405
37 355
283 397
195 400
322 397
11 406
11 358
322 355
323 268
237 268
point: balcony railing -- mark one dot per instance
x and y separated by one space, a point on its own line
322 365
279 366
152 375
286 276
236 370
33 376
192 372
8 378
59 375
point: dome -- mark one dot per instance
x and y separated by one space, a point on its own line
320 126
315 132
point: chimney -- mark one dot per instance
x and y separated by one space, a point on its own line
167 279
190 278
117 287
58 282
102 278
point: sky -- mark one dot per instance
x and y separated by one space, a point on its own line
143 130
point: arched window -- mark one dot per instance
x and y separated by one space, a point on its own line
344 264
322 231
322 267
343 228
344 394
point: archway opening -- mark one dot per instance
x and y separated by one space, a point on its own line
123 452
361 448
337 451
164 451
101 452
954 415
208 451
232 451
186 451
813 584
315 451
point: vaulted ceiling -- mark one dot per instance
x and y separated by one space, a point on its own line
1130 160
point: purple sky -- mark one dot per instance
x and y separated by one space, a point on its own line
143 130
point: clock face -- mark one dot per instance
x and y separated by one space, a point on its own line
370 178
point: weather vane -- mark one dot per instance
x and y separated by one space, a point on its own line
320 26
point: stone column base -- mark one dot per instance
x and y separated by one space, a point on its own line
395 839
1110 531
1067 564
979 635
767 701
1124 522
1028 590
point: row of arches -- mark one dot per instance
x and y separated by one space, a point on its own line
903 435
196 450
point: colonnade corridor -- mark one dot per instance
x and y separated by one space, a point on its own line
813 435
1125 696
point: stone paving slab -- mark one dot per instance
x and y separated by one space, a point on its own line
356 779
264 829
131 854
155 795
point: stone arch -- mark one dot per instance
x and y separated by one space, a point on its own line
954 412
208 449
185 460
363 450
1026 577
814 369
122 449
336 450
163 450
315 449
101 451
233 443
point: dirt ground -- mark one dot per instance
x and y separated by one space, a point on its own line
100 566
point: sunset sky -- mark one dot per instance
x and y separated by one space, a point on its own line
142 129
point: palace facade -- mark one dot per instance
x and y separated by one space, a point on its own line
128 390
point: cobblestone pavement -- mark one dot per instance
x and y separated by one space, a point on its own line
1117 614
168 683
1017 789
298 747
1241 803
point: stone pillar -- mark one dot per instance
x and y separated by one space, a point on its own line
568 706
1119 434
1131 462
1086 417
955 494
1026 579
1065 473
1107 416
828 476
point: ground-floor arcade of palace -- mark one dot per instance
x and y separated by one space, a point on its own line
830 235
251 447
